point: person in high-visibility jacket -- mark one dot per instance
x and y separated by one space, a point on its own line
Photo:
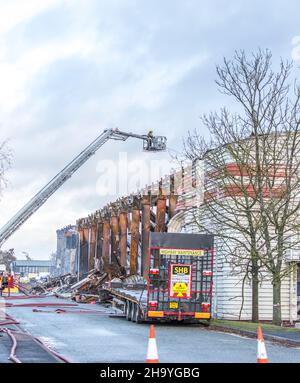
4 282
1 286
10 282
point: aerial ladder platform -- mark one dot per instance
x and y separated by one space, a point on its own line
150 143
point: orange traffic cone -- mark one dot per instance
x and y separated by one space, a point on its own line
152 356
261 348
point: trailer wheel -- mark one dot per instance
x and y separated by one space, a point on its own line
138 315
128 310
125 308
133 311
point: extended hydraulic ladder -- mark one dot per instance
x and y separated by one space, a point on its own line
151 143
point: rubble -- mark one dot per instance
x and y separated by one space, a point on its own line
23 288
67 286
53 284
89 289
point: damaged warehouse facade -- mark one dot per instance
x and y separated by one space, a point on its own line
115 240
66 257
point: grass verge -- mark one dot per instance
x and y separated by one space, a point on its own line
252 326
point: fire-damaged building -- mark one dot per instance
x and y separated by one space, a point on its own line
116 237
66 256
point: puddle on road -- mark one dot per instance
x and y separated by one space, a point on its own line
51 342
98 332
241 337
233 335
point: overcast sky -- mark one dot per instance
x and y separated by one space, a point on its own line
69 69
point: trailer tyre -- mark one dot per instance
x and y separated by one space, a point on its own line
125 308
133 311
138 315
128 310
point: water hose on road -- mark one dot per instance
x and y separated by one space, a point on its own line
60 311
8 320
43 344
12 355
11 333
39 304
24 297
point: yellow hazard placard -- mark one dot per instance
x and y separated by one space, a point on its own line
196 253
180 280
173 305
180 289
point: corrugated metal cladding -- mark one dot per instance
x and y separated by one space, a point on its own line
231 300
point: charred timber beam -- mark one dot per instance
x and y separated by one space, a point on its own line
123 225
145 234
84 255
99 244
92 245
114 238
106 240
135 235
161 212
172 198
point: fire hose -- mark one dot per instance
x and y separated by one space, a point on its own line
12 355
24 297
60 311
39 304
11 333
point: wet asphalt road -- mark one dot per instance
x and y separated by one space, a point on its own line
99 338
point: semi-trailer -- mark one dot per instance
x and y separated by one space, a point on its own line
179 283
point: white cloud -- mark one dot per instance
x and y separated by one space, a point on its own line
14 77
38 234
153 84
136 65
13 12
296 48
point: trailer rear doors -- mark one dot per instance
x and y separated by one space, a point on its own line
180 276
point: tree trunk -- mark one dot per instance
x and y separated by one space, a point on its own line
255 284
255 305
277 301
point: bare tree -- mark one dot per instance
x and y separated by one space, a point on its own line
228 209
252 161
5 163
7 257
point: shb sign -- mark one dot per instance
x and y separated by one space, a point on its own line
180 281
